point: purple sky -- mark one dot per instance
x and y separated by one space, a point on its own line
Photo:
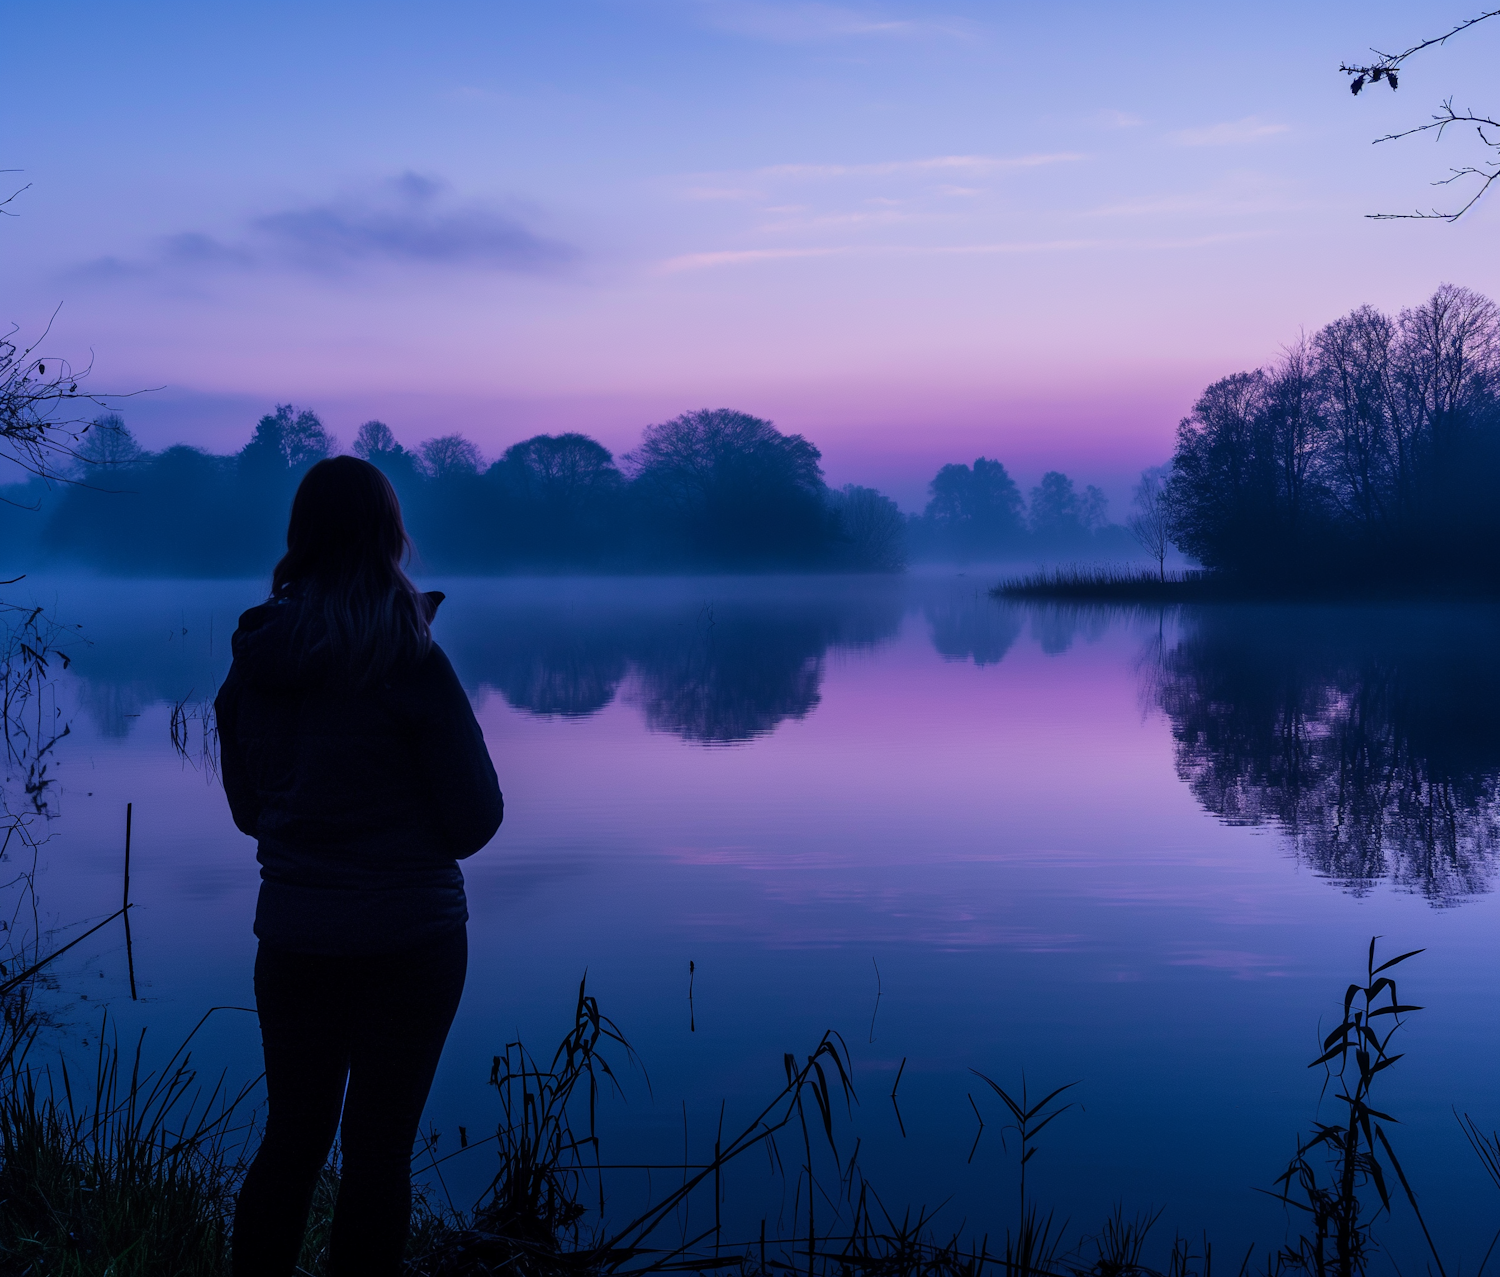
914 233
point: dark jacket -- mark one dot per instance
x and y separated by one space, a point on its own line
363 801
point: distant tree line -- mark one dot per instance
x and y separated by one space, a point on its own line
709 490
713 490
1368 453
977 513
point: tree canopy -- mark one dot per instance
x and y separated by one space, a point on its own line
1369 451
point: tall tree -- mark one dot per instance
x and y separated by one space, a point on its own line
872 528
728 487
449 456
563 496
287 439
561 472
1221 492
975 511
1357 457
1057 512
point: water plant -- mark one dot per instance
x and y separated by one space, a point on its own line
1341 1161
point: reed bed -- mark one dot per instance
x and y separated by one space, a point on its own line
1114 584
1111 583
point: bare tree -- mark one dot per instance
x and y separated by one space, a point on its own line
449 455
373 439
1356 355
1388 67
1293 407
108 445
1149 523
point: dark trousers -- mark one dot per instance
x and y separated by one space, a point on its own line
361 1037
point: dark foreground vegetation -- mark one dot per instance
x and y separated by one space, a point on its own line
1365 460
127 1172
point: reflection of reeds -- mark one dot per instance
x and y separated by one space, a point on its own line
202 755
30 641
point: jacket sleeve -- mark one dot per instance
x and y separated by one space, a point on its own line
455 763
244 802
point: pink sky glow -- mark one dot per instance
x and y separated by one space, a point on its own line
880 229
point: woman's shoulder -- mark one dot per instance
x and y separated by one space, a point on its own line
262 614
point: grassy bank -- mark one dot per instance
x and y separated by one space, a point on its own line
135 1173
1108 583
1113 584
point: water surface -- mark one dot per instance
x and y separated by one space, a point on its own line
1142 850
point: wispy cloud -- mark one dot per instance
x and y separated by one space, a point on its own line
1231 133
409 220
750 256
1111 118
1239 195
798 220
803 23
721 193
937 164
951 174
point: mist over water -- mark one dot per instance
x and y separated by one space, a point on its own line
1143 849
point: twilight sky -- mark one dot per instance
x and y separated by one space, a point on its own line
912 232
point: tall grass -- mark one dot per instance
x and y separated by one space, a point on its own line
121 1172
1113 583
132 1173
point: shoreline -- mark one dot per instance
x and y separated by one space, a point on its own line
1109 585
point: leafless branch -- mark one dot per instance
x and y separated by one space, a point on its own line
1385 67
1486 174
44 409
12 195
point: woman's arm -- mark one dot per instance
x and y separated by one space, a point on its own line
244 802
455 763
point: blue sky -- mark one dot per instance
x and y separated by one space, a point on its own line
912 232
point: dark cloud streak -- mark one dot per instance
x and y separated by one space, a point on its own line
406 220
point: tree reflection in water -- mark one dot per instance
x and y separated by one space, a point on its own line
714 666
968 625
1368 735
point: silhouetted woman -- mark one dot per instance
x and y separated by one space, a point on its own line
351 753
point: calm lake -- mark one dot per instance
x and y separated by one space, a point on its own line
1140 850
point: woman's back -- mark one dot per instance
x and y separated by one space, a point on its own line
362 798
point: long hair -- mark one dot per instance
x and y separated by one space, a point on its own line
345 543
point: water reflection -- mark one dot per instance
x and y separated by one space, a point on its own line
967 625
710 664
1367 735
